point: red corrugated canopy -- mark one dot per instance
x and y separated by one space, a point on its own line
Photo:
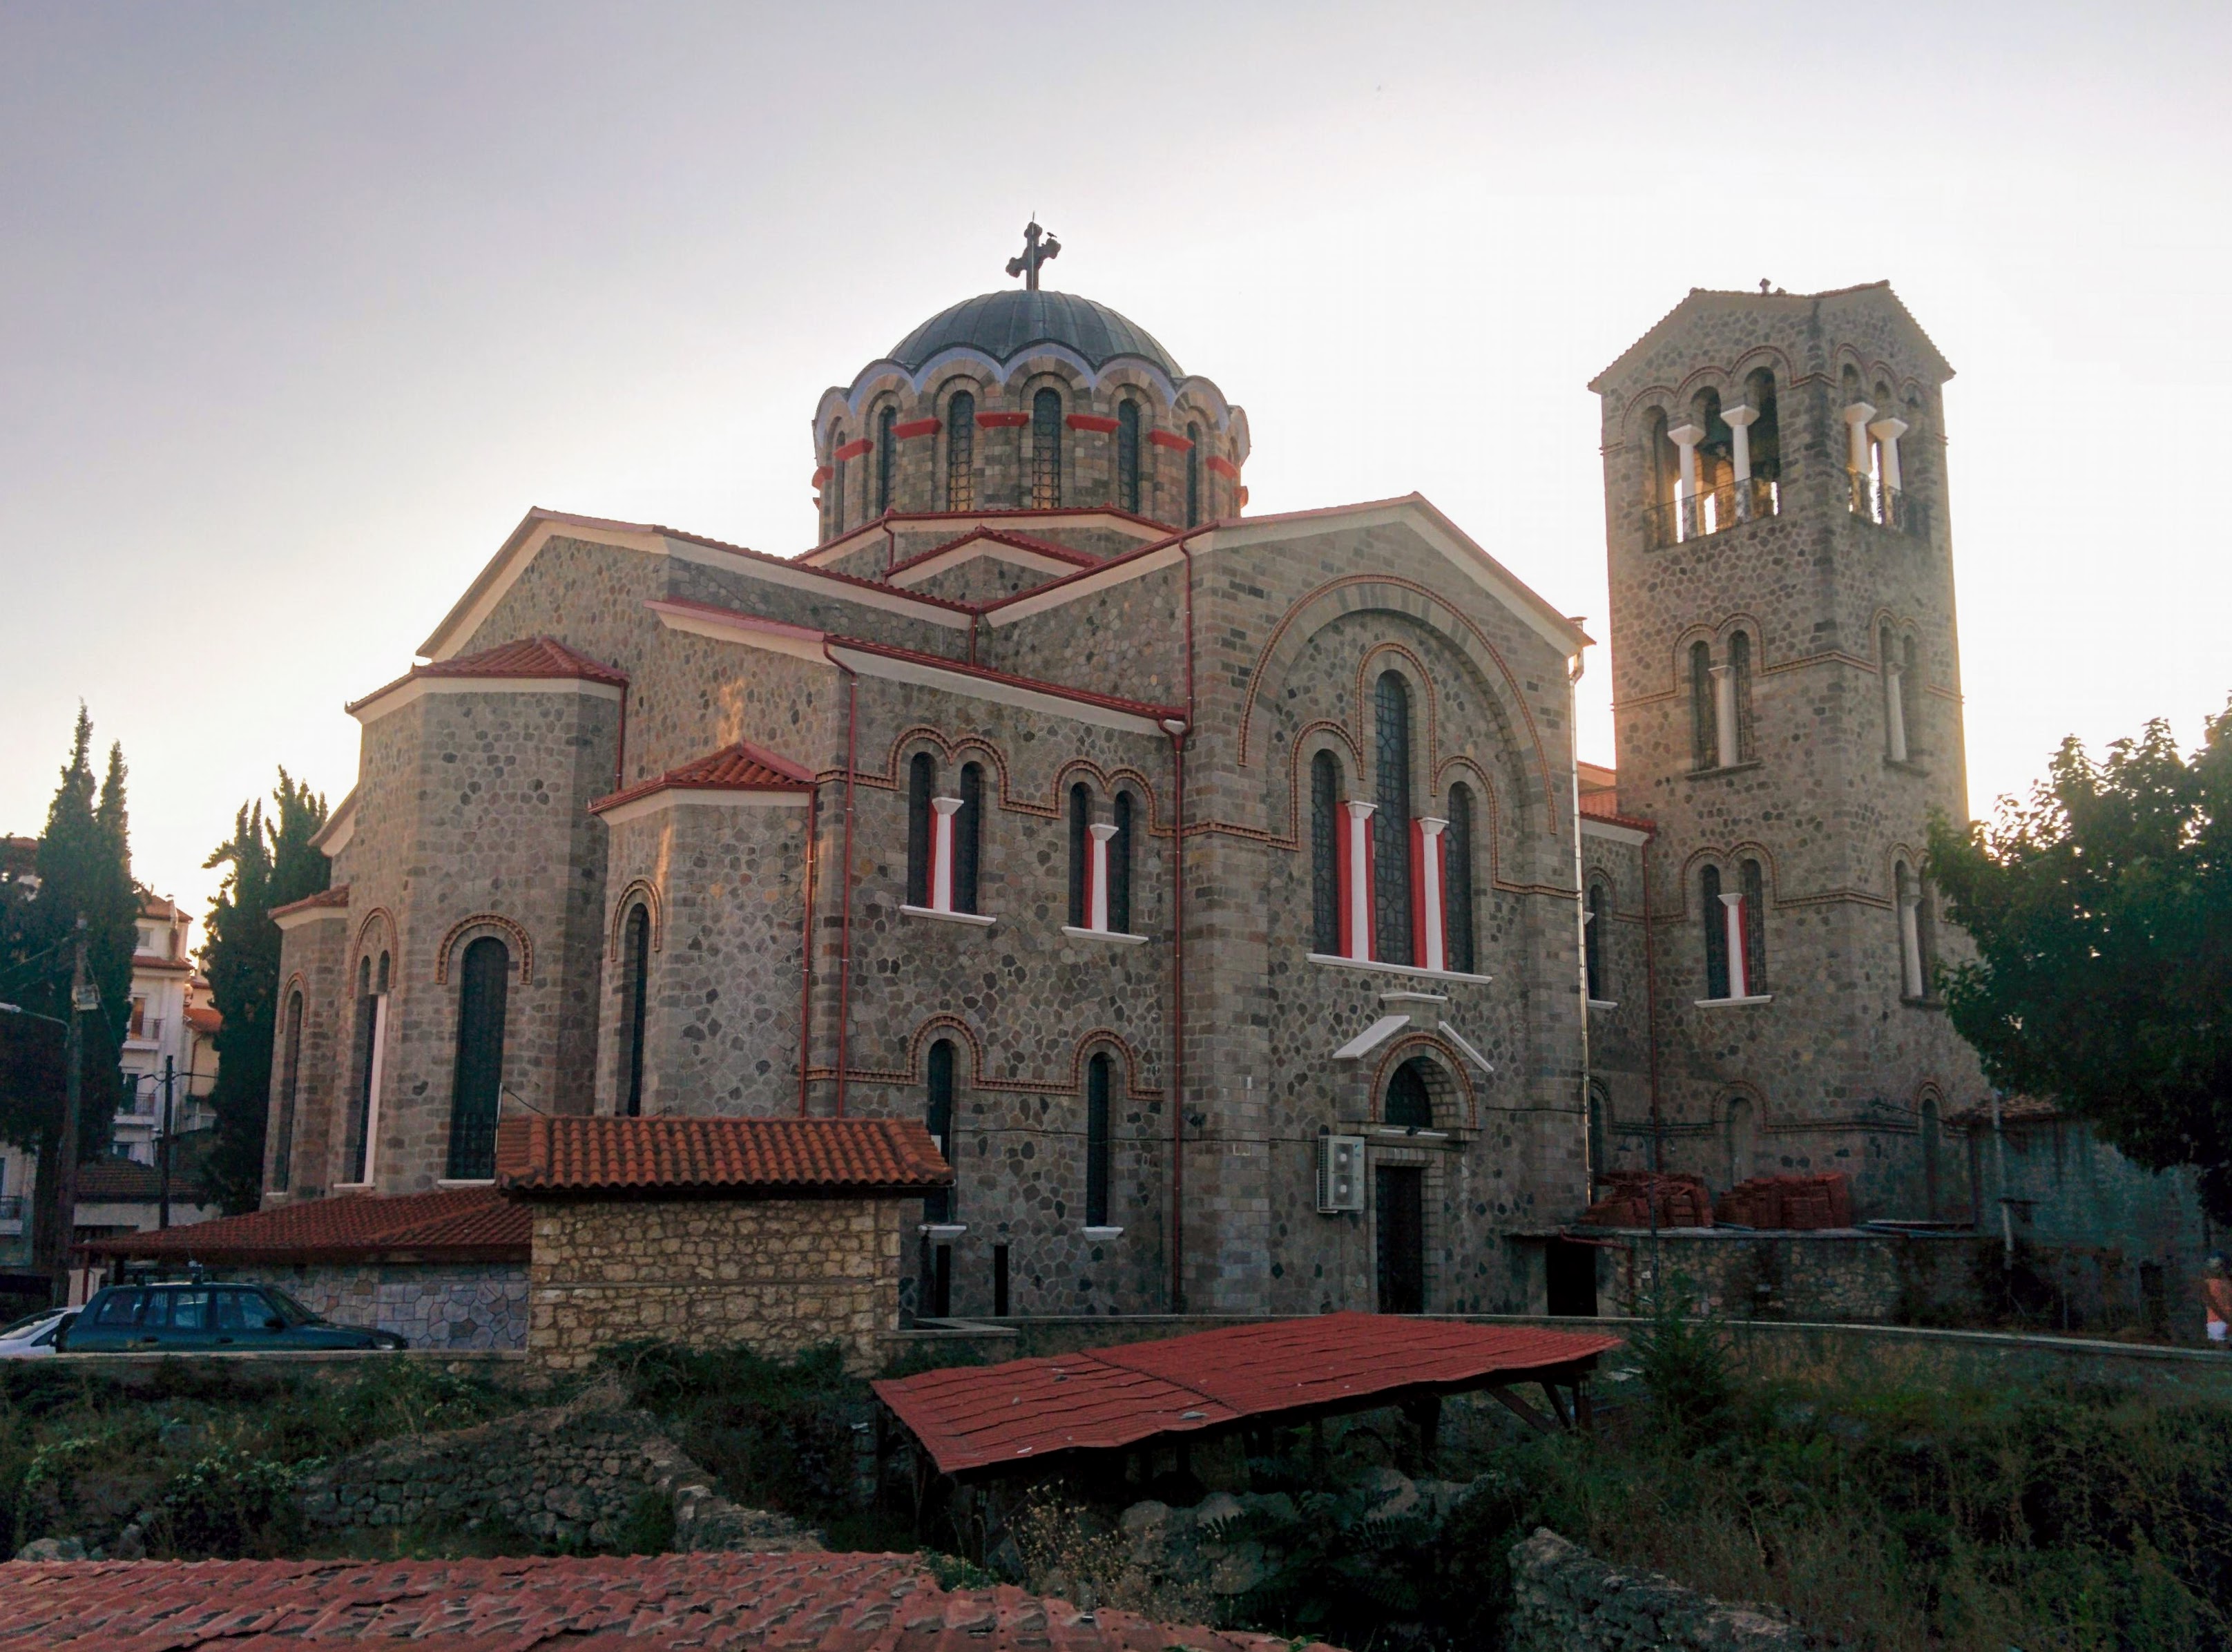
974 1417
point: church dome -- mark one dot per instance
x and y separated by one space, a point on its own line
1003 324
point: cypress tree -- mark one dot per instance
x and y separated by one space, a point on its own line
271 863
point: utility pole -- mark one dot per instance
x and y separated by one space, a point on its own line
164 1224
84 997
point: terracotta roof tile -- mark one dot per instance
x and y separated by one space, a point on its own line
126 1181
202 1018
676 1153
741 766
721 1602
1026 1410
1000 537
461 1224
336 896
530 657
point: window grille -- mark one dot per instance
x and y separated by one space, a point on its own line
1408 1105
1046 451
961 452
485 981
887 456
1324 854
1391 821
1456 882
635 949
1193 476
1128 456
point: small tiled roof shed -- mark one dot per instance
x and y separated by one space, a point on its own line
781 1234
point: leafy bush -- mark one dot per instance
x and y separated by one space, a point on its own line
227 1505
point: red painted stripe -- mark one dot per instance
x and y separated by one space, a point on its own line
823 475
852 450
1001 421
1169 438
1243 498
1092 421
915 427
1225 467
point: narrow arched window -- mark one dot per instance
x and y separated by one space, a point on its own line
1119 866
1911 699
1766 433
1080 853
1193 476
635 1005
1391 821
290 1078
1600 1106
922 786
1704 727
887 456
1754 927
1456 882
1097 1079
1410 1106
484 983
968 833
1740 672
1046 451
961 452
1324 854
937 1118
1594 939
837 463
1716 932
1128 456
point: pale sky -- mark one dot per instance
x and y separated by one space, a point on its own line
301 308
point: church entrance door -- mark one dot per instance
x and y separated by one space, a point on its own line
1400 1194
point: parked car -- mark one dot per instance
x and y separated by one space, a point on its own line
33 1336
198 1316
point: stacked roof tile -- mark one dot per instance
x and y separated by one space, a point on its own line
459 1224
530 657
741 766
669 1153
336 896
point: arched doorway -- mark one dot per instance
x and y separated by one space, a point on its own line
1400 1196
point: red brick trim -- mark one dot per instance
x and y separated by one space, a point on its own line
1243 498
1224 467
486 921
1169 438
1001 421
822 475
1092 421
852 450
915 427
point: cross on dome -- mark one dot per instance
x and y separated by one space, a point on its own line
1034 253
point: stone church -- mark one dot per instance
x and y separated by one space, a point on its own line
1223 890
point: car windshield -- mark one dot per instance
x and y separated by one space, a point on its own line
17 1329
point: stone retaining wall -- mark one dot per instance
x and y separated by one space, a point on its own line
1566 1600
571 1473
465 1305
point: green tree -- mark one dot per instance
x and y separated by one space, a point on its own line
270 862
2101 912
84 865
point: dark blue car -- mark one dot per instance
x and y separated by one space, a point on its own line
206 1317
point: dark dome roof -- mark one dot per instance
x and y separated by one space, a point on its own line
1002 324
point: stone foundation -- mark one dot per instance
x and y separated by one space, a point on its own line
1566 1600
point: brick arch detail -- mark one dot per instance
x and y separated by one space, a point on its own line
1728 858
1421 680
523 946
956 748
1108 1038
381 919
1441 1056
640 890
916 1071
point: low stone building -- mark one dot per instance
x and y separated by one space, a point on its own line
776 1234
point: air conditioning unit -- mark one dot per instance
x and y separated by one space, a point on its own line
1340 1173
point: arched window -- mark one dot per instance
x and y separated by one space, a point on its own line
1716 932
1456 882
1324 854
290 1078
961 452
1766 435
1193 476
1080 852
1740 675
1128 456
1910 700
1410 1105
1098 1077
1704 727
968 831
635 1004
1046 451
1391 821
359 1155
1754 927
484 983
887 456
1738 1125
922 785
937 1118
837 463
1894 692
1932 1150
1913 932
1594 939
1119 867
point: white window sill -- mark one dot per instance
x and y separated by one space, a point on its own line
1735 1003
1102 1232
1119 936
943 1230
1374 966
977 917
465 1181
1411 1132
350 1187
1604 1004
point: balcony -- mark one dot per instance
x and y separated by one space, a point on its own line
1887 507
1712 511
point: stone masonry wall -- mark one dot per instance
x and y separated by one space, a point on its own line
1566 1600
312 955
778 1276
434 1305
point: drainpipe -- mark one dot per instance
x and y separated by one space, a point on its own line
806 951
1573 669
845 877
1651 1019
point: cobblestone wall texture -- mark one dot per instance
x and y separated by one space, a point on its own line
1566 1600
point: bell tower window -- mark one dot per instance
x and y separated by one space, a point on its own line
1046 451
887 456
1127 457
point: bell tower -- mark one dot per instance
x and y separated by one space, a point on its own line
1788 711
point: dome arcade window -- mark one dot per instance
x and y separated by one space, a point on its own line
1128 456
1046 451
887 456
961 452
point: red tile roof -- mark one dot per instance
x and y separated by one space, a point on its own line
719 1602
458 1224
741 766
126 1182
336 896
673 1153
999 536
202 1018
970 1418
531 657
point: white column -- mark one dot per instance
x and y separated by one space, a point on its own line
371 1085
941 853
1096 889
1732 911
1686 436
1433 947
1895 709
1887 433
1728 749
1739 420
1856 426
1910 944
1359 879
